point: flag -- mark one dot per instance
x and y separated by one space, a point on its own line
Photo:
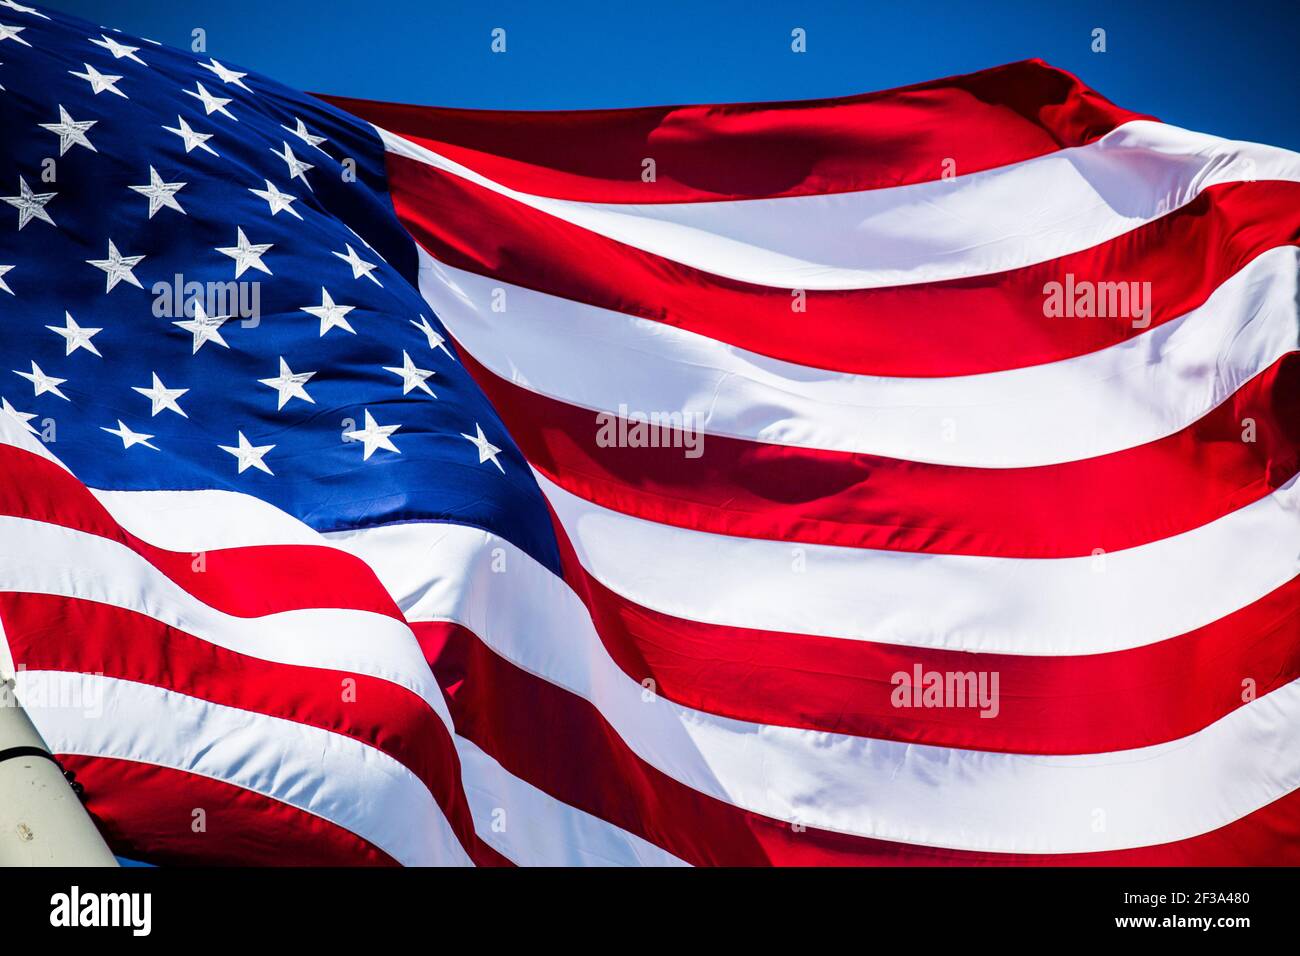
902 478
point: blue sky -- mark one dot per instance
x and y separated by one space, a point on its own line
1226 68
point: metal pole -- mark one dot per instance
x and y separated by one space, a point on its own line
42 821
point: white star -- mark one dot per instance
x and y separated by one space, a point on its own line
373 436
191 138
359 266
70 132
43 383
300 130
75 337
160 194
486 450
11 33
205 328
330 315
117 268
162 397
246 255
412 377
118 50
30 205
249 455
23 418
4 286
289 384
13 5
297 168
211 104
225 74
278 201
99 82
435 340
129 437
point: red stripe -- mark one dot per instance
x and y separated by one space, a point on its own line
750 489
116 642
148 813
958 327
751 150
562 745
1092 703
244 582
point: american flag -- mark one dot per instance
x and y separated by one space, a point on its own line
900 478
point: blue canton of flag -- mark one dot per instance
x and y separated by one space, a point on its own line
203 285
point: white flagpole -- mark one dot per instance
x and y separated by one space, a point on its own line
42 821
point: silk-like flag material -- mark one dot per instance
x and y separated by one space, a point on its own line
905 478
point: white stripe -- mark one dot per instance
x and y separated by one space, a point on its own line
896 791
1135 392
326 774
976 224
532 828
201 520
1058 606
42 558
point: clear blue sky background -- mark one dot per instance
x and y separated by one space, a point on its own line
1231 68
